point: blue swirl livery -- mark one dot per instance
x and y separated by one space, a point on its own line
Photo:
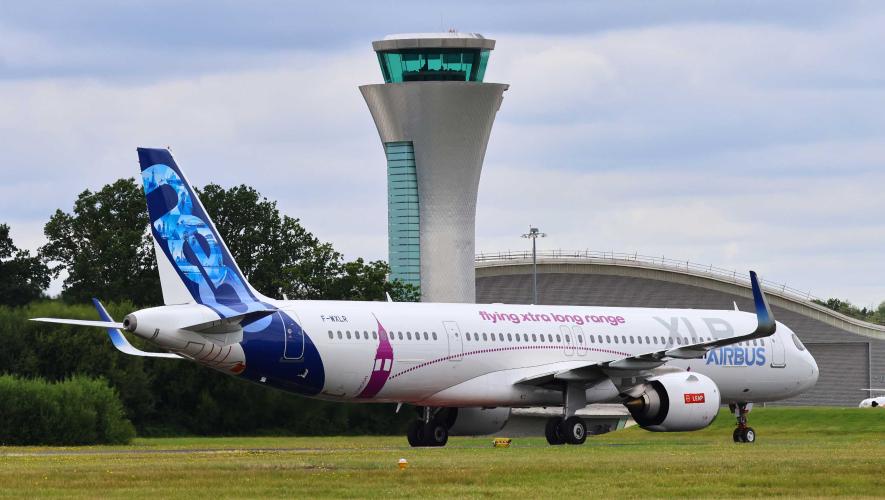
188 239
198 268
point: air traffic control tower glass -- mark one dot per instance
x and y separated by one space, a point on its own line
433 65
434 57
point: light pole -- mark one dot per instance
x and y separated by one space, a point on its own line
534 234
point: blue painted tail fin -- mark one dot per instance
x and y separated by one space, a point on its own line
194 262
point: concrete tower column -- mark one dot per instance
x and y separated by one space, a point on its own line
434 116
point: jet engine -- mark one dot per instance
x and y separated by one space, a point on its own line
475 421
672 402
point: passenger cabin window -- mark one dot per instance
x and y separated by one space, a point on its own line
434 335
331 336
374 335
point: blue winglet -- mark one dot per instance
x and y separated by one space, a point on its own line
120 341
767 324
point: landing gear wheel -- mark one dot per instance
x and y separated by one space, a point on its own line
743 433
435 434
574 430
553 431
415 434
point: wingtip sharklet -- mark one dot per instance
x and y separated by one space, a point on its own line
767 324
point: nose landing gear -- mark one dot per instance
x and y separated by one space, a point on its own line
743 433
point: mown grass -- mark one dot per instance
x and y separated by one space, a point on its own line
800 453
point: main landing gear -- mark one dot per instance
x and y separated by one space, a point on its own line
743 433
429 430
569 428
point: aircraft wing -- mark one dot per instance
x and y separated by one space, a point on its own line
590 372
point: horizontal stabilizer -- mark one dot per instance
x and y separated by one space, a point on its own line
119 340
80 322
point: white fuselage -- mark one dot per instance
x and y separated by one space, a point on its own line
475 355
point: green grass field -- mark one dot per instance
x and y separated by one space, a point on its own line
799 453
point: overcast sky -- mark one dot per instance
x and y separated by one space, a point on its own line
738 134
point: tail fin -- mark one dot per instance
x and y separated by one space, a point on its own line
194 263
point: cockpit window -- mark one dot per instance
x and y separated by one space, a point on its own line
798 343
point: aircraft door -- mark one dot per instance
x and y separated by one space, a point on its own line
567 340
580 340
456 343
293 336
778 352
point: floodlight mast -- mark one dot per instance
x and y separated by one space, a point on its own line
534 234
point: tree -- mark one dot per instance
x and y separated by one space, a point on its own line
275 252
22 277
105 247
280 257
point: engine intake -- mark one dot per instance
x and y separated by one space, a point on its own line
676 402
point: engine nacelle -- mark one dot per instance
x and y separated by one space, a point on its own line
676 402
476 421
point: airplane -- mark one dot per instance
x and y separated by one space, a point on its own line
873 401
463 366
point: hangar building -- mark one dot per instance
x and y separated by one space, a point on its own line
850 353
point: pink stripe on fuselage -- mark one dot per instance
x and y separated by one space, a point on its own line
381 367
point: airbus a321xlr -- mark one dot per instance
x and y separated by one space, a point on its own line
463 366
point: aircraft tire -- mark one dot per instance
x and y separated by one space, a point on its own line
736 435
435 434
415 434
553 431
574 430
749 435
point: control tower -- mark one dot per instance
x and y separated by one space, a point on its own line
434 115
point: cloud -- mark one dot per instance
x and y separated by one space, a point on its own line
742 136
